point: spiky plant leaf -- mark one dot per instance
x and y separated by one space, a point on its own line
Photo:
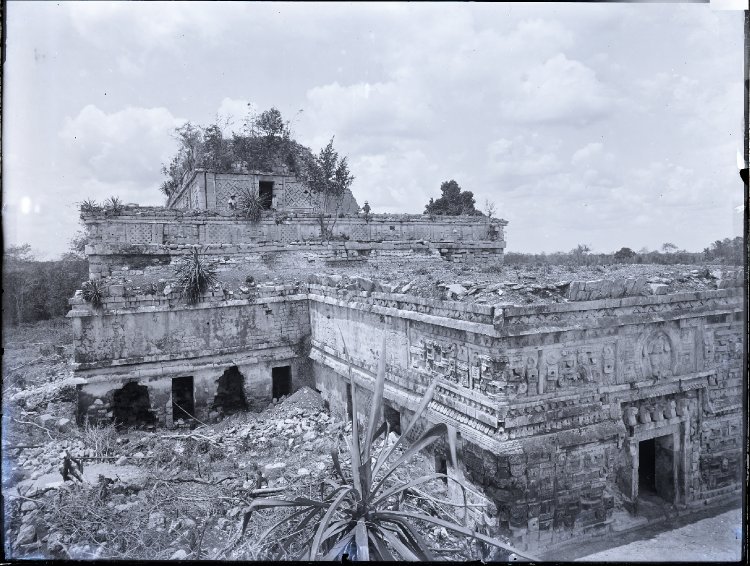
194 276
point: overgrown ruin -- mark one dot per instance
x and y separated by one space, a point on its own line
565 412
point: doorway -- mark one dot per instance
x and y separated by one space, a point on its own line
131 406
230 393
656 475
393 418
183 401
265 191
647 466
441 467
281 381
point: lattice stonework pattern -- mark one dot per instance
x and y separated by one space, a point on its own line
227 187
138 233
295 196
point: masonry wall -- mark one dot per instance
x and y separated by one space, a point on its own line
552 402
153 339
149 239
204 189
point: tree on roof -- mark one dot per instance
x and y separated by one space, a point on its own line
327 175
453 202
264 144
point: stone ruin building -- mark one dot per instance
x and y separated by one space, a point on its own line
564 412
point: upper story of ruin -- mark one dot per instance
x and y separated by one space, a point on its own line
280 191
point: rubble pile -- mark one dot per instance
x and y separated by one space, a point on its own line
507 284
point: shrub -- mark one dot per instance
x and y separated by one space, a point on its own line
113 206
360 515
100 438
94 292
89 206
194 276
250 204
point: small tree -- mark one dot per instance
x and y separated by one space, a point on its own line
453 202
624 254
580 253
489 208
329 178
668 248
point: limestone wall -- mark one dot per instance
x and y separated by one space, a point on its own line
152 339
151 238
203 189
553 403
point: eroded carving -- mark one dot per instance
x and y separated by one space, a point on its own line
658 357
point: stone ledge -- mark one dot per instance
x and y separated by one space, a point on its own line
157 366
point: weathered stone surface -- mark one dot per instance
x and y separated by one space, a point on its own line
275 470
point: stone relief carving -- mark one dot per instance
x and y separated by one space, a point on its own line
654 410
657 356
631 416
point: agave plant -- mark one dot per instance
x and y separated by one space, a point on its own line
113 206
94 292
194 276
250 204
361 514
88 206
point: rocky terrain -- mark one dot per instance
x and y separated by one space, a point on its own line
163 494
505 285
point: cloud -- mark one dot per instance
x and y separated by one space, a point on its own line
518 158
561 90
364 109
127 145
388 180
232 113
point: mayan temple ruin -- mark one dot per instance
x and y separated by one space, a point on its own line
567 413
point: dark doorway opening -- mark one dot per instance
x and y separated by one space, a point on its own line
281 379
393 418
647 466
230 394
183 402
265 191
131 406
656 474
441 467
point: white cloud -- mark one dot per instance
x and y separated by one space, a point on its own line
518 158
561 90
364 109
129 144
587 152
232 113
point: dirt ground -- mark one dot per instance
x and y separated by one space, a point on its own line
714 539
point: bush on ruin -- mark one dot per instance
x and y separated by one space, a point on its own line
94 292
250 204
194 276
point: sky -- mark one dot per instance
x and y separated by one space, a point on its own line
608 125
